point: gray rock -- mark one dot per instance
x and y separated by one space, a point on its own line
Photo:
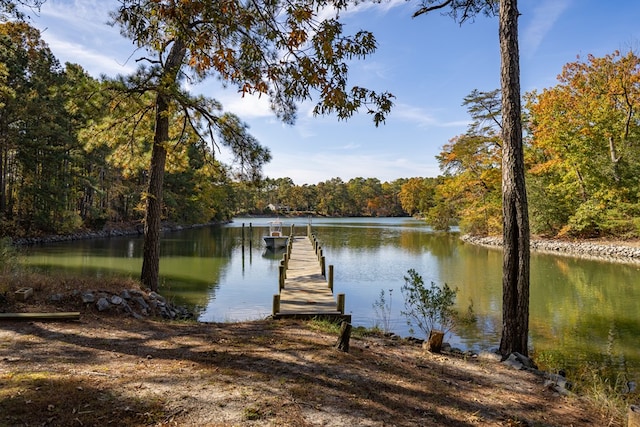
135 292
156 296
88 297
141 302
55 297
519 361
103 304
556 382
116 300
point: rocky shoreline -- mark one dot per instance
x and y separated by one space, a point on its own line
613 252
115 231
136 303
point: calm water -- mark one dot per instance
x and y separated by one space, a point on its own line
580 309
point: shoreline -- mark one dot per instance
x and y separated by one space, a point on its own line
115 231
585 249
610 251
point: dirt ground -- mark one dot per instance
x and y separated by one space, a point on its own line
113 369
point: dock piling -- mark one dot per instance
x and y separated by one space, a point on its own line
341 298
330 280
276 304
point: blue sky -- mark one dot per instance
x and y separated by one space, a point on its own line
429 63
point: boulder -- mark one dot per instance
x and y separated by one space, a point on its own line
103 304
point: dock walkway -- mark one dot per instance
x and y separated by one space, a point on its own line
305 291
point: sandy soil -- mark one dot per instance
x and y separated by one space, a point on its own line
115 370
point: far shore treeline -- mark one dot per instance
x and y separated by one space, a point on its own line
68 161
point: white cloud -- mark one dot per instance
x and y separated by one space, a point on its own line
422 118
320 167
93 62
86 13
545 15
249 106
383 6
77 32
350 146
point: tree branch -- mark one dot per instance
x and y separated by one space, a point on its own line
427 9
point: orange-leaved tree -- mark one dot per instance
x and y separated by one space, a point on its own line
584 148
471 163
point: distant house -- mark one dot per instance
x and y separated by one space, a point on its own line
278 208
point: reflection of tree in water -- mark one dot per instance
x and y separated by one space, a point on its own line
481 335
601 363
441 245
215 241
584 315
194 261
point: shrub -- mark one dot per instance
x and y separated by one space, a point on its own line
428 308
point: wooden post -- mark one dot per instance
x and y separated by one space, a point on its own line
633 416
434 343
341 298
330 281
58 315
309 230
243 235
322 267
343 339
281 277
285 260
292 228
276 304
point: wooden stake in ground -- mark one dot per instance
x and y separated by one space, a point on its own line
345 335
434 343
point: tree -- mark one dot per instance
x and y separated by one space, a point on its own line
283 50
333 198
365 195
471 163
584 142
13 9
417 195
38 145
515 233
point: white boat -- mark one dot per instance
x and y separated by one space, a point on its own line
276 239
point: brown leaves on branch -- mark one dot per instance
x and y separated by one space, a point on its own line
285 50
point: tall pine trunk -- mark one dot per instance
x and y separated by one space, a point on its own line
515 262
153 215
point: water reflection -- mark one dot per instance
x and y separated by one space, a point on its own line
582 309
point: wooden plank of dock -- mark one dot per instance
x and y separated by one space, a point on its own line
306 292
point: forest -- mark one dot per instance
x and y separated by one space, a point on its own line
75 153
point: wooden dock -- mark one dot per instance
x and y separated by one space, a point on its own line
306 290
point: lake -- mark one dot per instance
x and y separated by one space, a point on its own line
579 309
